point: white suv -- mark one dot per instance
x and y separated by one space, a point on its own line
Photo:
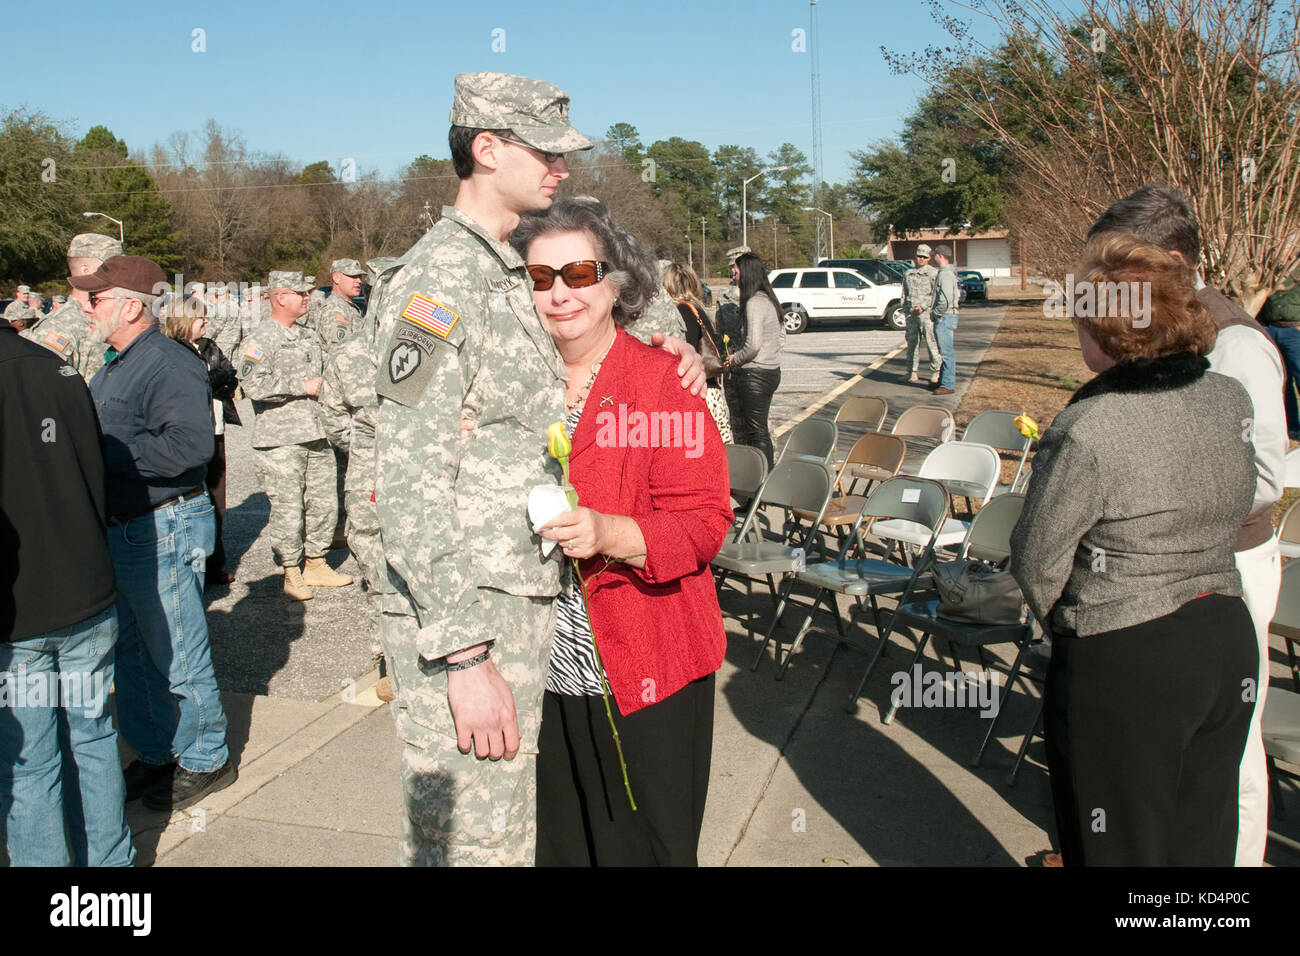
808 294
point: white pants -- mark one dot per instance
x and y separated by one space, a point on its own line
1261 579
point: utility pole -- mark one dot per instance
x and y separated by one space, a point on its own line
428 214
815 62
704 249
690 257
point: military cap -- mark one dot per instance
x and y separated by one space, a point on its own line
24 289
133 273
310 280
922 250
535 111
735 252
349 267
59 299
292 281
92 245
943 250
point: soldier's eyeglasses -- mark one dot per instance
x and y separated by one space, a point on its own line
548 157
576 275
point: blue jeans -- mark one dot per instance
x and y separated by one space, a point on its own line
944 328
1287 340
163 658
59 764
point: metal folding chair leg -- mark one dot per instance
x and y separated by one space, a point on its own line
1021 646
776 619
920 649
803 629
1035 729
883 641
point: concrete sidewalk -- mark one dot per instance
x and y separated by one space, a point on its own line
795 779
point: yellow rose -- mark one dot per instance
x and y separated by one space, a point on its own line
1028 427
557 443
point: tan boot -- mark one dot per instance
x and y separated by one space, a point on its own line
384 689
320 575
294 586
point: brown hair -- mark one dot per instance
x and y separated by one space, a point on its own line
1174 320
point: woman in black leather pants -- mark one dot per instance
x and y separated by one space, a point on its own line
756 367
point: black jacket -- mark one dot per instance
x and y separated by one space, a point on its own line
222 376
55 569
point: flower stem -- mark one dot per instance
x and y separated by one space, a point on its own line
604 684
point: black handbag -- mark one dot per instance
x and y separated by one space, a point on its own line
973 592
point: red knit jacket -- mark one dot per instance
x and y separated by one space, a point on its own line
657 628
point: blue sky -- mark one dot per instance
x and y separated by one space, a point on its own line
329 80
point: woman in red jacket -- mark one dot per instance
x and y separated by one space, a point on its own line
651 476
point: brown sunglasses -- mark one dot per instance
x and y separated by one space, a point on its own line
576 275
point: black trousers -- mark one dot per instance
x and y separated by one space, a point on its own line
216 482
754 389
583 815
1145 727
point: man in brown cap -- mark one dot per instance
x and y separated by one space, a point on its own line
468 623
155 410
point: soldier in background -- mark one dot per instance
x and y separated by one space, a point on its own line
66 330
225 319
349 409
18 306
731 326
334 317
918 292
280 369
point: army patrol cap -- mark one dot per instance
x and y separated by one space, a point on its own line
943 250
133 273
92 245
24 289
349 267
59 299
293 281
535 111
923 250
735 252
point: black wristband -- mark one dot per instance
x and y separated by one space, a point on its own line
468 662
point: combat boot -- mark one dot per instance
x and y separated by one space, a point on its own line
320 575
294 586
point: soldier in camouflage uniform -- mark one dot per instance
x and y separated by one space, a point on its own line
349 407
66 330
280 370
918 292
467 628
333 316
18 307
225 320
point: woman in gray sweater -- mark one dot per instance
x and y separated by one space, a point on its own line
1124 553
757 364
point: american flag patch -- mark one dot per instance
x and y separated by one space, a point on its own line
254 353
430 316
57 340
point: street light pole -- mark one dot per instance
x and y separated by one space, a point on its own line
690 256
744 200
121 229
832 219
704 249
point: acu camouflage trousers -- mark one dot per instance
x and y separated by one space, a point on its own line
460 810
363 529
300 484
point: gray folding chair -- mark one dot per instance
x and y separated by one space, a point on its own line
998 430
747 470
1286 619
988 540
866 410
812 438
797 483
860 577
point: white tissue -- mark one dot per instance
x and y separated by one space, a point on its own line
544 503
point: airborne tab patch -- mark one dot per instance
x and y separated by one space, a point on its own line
423 312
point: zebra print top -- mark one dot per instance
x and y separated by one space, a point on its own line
573 671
